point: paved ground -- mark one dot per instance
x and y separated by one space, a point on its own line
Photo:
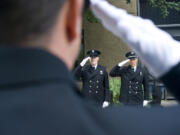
167 103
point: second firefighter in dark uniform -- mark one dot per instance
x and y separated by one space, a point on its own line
94 78
156 86
132 79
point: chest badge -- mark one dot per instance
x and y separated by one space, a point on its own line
101 72
140 73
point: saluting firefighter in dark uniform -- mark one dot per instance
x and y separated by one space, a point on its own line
132 79
94 78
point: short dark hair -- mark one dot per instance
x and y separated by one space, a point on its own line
24 19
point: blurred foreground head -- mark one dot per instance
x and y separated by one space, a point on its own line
53 25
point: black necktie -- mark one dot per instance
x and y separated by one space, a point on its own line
92 69
132 69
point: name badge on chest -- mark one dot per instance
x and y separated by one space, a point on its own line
101 72
140 73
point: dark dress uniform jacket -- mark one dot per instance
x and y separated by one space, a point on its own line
131 92
156 86
95 82
39 97
171 80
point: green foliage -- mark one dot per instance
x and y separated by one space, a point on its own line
115 84
163 5
128 1
90 17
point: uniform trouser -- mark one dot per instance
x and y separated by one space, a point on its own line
156 94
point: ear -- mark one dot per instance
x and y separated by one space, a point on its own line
73 20
98 58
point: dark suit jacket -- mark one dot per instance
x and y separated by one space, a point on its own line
131 92
171 80
39 97
95 82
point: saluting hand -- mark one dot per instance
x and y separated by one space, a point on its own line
123 63
84 61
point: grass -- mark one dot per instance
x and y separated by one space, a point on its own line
115 84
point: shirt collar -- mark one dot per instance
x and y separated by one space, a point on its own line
135 68
95 66
21 65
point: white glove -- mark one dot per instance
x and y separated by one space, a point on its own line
123 63
151 44
145 103
84 61
105 104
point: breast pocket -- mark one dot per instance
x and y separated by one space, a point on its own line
101 74
139 77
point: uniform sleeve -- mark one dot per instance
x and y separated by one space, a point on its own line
150 43
145 84
78 72
106 86
116 71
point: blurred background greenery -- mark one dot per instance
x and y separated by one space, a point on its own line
114 85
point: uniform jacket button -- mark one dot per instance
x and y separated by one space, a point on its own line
90 81
90 86
89 91
130 86
97 87
96 91
129 92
